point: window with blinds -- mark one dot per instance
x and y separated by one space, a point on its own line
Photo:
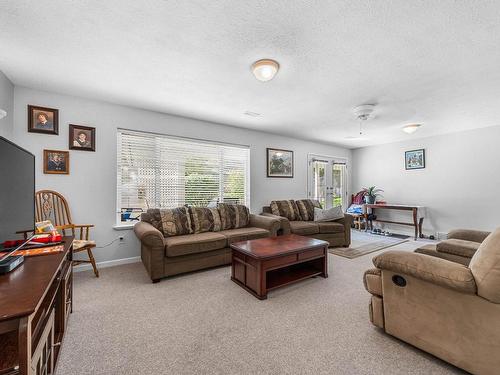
159 171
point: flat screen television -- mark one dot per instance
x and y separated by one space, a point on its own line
17 192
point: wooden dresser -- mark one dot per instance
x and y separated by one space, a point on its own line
35 302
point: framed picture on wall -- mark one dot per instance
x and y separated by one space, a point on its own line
55 162
43 120
415 159
81 138
279 163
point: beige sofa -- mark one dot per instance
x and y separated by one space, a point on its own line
443 307
460 246
166 255
337 233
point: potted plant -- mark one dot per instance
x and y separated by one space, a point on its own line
371 194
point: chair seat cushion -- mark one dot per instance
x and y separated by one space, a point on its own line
194 243
244 234
80 244
330 227
304 228
458 247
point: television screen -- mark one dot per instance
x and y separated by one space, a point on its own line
17 191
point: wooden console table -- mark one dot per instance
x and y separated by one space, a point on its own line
35 302
416 223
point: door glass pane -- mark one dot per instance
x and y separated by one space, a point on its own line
338 183
319 181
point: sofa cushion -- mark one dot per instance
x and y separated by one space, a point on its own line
485 266
286 208
304 228
458 247
194 243
329 214
205 219
171 221
233 216
244 234
330 227
306 208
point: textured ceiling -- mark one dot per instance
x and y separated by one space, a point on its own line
436 62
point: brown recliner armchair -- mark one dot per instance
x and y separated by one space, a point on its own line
443 307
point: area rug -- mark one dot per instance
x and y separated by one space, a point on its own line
363 244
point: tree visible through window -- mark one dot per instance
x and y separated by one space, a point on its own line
157 171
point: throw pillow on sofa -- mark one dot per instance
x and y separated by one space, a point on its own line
306 208
205 219
171 221
330 214
233 216
286 208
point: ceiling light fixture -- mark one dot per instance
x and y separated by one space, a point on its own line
265 70
2 113
411 128
363 113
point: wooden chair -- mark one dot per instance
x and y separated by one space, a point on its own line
50 205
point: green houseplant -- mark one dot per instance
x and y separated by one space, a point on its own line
371 194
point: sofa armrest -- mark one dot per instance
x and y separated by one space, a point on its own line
284 222
265 222
148 234
346 221
468 235
431 269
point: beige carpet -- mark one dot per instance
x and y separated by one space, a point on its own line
365 243
203 323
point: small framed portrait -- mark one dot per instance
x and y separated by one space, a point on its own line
43 120
279 163
81 138
415 159
55 162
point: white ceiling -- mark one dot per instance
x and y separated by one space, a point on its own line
436 62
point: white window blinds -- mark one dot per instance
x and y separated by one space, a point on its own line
158 171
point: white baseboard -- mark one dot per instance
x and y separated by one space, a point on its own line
107 263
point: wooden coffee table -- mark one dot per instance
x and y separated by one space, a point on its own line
268 263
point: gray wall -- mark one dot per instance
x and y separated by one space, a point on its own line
7 104
459 184
91 186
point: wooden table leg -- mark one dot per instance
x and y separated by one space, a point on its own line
24 342
420 224
325 264
415 223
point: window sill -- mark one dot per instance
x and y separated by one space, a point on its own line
123 226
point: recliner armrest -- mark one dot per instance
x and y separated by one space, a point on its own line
431 269
468 235
148 234
284 222
265 222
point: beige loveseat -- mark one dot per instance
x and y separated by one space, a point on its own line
460 246
443 307
298 217
188 239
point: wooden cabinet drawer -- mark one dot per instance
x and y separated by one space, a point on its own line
311 254
276 262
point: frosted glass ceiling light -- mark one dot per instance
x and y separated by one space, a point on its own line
2 114
265 70
411 128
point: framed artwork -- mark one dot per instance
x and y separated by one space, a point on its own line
415 159
55 162
81 138
43 120
279 163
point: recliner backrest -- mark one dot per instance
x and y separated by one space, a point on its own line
485 266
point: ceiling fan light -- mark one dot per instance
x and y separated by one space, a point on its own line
265 70
411 128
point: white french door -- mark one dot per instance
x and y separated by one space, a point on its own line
327 181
